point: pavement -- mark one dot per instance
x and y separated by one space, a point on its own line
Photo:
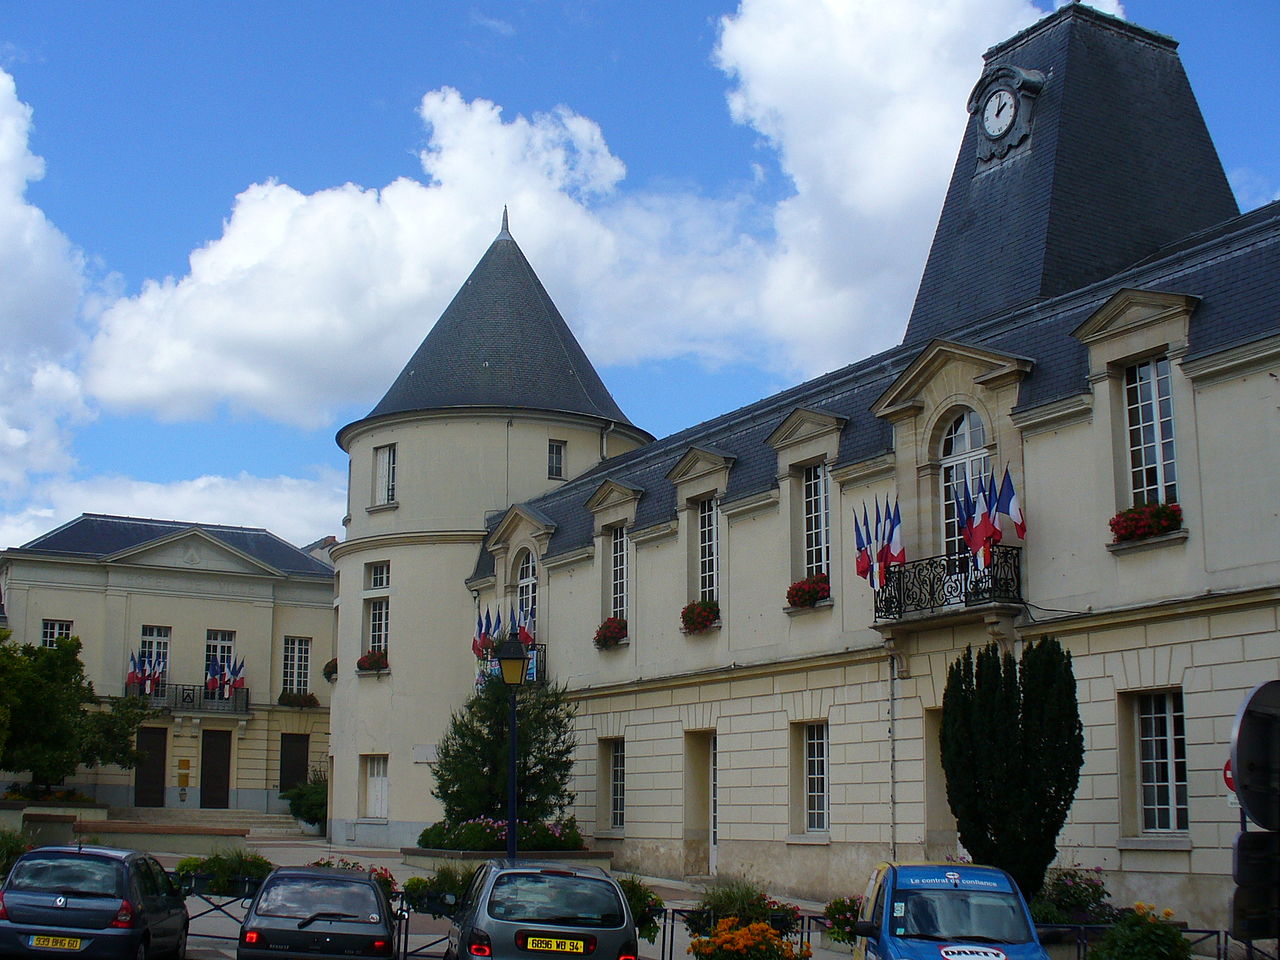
214 925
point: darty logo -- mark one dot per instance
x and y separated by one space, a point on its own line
973 953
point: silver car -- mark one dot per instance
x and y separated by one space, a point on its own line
524 909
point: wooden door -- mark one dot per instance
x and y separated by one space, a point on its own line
215 769
149 774
295 751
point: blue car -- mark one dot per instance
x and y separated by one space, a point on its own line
944 911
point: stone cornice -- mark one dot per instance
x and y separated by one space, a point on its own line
1236 362
1154 612
1051 416
407 539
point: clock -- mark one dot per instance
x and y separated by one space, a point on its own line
998 113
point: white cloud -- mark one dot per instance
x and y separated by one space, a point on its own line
298 510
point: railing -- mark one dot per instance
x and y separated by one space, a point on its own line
191 697
940 583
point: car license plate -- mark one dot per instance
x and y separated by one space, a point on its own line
56 943
555 944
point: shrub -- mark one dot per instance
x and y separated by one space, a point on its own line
1147 520
746 902
292 698
422 893
330 669
700 615
31 791
309 801
810 591
13 844
1142 935
225 867
381 875
372 660
610 633
486 833
732 940
1073 895
646 906
841 914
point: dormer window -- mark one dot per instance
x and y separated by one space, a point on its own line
618 573
817 520
1153 473
708 550
555 459
527 589
965 460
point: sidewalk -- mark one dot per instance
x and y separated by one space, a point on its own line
295 851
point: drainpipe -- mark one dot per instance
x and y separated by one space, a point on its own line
604 440
893 755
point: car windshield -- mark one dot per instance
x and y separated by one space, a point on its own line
553 898
983 916
68 873
302 897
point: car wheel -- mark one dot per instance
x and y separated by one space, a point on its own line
142 952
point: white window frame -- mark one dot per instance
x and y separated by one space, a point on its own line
817 779
296 672
617 784
384 474
377 624
153 646
964 458
51 631
708 517
1149 425
219 645
815 491
378 575
555 459
1161 751
618 573
375 782
527 588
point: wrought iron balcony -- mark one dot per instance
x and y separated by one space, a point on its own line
937 584
191 697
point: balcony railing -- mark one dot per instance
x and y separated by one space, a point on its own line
937 584
192 697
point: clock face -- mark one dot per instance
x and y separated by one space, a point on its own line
998 113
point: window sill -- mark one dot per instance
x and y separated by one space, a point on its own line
375 820
826 604
383 507
1174 842
1149 543
610 834
711 628
373 673
624 642
809 839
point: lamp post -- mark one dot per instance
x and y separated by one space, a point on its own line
511 658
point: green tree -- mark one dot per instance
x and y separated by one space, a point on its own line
1012 747
472 758
56 722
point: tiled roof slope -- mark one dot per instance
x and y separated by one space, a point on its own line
501 343
1118 164
1233 271
95 535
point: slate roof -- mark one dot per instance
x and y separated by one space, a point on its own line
501 343
94 536
1118 164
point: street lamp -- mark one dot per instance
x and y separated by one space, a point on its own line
512 659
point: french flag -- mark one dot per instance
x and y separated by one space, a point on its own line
478 641
133 677
896 553
213 676
1007 504
237 674
964 511
525 629
863 567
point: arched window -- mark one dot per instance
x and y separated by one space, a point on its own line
527 589
964 460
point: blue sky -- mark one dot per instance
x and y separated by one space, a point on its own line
225 227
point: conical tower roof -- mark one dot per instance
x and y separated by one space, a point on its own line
501 343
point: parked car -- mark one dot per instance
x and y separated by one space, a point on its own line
523 908
91 902
320 912
944 911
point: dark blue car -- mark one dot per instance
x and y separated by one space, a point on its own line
91 902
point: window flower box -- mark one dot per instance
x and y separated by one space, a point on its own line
373 660
610 633
330 670
810 591
700 615
1148 520
292 698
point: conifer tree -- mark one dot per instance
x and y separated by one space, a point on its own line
1012 747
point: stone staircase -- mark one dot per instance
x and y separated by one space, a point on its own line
259 824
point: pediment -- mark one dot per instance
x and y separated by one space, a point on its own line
698 462
989 368
522 520
613 493
1131 309
803 424
195 550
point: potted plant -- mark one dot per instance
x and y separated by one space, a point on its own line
372 660
810 591
330 670
293 698
610 633
700 615
1146 520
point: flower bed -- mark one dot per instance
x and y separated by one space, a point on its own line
486 833
1148 520
810 591
700 615
610 633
